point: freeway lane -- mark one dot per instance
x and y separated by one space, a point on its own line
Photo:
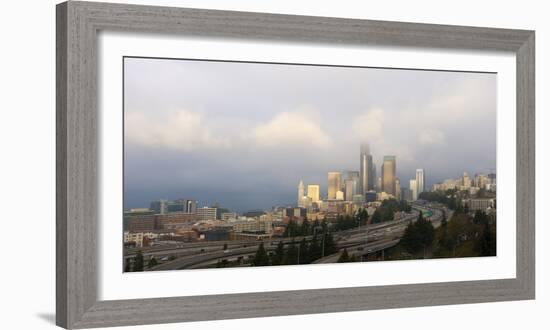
368 248
397 233
186 249
349 238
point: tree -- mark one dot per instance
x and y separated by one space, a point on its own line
304 229
480 218
487 242
344 257
329 245
138 262
314 249
418 236
291 257
127 266
279 255
362 216
303 253
376 217
291 229
152 262
261 258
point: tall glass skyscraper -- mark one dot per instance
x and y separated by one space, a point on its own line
334 184
420 185
365 169
300 199
389 175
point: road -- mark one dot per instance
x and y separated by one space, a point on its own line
397 232
370 238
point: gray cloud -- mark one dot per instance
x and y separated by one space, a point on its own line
244 134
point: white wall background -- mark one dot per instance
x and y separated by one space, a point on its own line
27 166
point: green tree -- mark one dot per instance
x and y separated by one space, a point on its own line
152 262
138 262
344 257
418 235
303 253
291 229
291 256
486 245
127 266
362 216
279 255
261 258
329 245
480 218
314 249
305 228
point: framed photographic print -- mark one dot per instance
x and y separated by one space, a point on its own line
215 164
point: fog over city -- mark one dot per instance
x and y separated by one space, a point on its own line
245 134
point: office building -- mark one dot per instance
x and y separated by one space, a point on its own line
334 184
313 191
206 213
466 181
366 175
370 196
388 175
414 189
406 194
420 181
300 200
479 204
175 206
229 216
397 189
190 206
350 189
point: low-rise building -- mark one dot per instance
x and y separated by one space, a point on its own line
479 204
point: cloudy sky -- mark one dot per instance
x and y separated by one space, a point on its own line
244 134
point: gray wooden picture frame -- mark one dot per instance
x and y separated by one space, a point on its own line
78 24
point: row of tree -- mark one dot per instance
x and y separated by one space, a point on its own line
296 253
462 236
386 211
449 198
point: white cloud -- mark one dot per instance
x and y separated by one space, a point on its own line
369 125
181 130
290 129
431 137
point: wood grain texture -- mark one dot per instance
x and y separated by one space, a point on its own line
77 142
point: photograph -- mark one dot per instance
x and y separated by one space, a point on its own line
244 164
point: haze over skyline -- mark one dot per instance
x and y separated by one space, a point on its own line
245 134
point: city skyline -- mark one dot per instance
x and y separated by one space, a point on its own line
243 150
338 188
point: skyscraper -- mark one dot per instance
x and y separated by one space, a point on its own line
350 189
388 175
397 189
365 169
420 185
414 189
334 184
351 184
300 193
466 181
313 192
